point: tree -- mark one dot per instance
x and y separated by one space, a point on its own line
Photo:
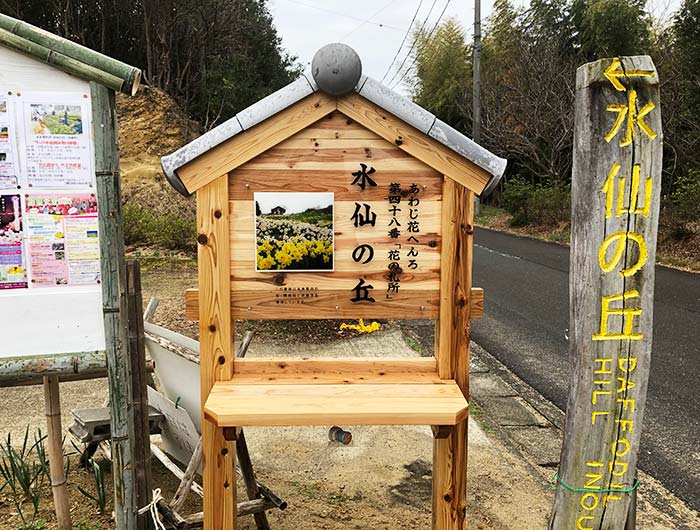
609 28
215 56
442 74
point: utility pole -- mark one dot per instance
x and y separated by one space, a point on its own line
476 89
476 85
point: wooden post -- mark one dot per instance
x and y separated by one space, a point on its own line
113 269
52 407
616 185
139 393
452 351
216 345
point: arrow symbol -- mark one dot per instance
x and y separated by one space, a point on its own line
614 72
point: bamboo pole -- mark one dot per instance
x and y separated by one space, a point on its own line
52 407
60 61
17 371
31 371
113 269
127 77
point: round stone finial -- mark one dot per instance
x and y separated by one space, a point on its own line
336 68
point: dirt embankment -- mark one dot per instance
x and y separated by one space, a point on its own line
151 124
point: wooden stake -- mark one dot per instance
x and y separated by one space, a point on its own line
187 479
249 480
452 351
52 406
139 392
615 197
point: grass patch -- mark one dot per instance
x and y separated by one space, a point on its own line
491 216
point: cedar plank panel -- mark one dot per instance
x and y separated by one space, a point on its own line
289 167
240 310
338 365
414 142
232 404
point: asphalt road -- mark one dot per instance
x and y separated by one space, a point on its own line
525 326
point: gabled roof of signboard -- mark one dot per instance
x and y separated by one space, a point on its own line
67 56
330 77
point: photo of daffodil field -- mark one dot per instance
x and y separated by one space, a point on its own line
294 231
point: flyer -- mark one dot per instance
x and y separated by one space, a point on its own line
8 166
56 144
13 272
63 239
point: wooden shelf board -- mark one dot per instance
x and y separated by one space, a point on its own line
232 404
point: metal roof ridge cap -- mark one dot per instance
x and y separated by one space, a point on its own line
312 83
274 103
197 147
400 106
468 148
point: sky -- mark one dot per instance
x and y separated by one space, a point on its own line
292 202
376 28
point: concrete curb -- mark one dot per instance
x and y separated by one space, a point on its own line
533 426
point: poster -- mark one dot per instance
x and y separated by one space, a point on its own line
63 239
294 232
8 165
56 142
13 272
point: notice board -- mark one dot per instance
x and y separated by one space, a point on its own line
50 290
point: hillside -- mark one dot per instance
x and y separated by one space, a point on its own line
151 125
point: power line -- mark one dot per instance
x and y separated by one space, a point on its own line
368 21
402 42
413 45
345 15
429 35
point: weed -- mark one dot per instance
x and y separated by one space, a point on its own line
100 496
413 343
38 524
23 473
306 490
87 525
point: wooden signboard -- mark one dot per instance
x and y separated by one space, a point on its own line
350 197
332 206
616 186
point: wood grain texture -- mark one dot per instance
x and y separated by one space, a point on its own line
247 145
409 307
452 351
138 400
609 377
336 371
289 167
409 139
230 403
216 355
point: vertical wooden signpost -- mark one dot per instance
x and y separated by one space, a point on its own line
616 185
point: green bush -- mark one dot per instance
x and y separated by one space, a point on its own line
685 199
536 204
144 227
